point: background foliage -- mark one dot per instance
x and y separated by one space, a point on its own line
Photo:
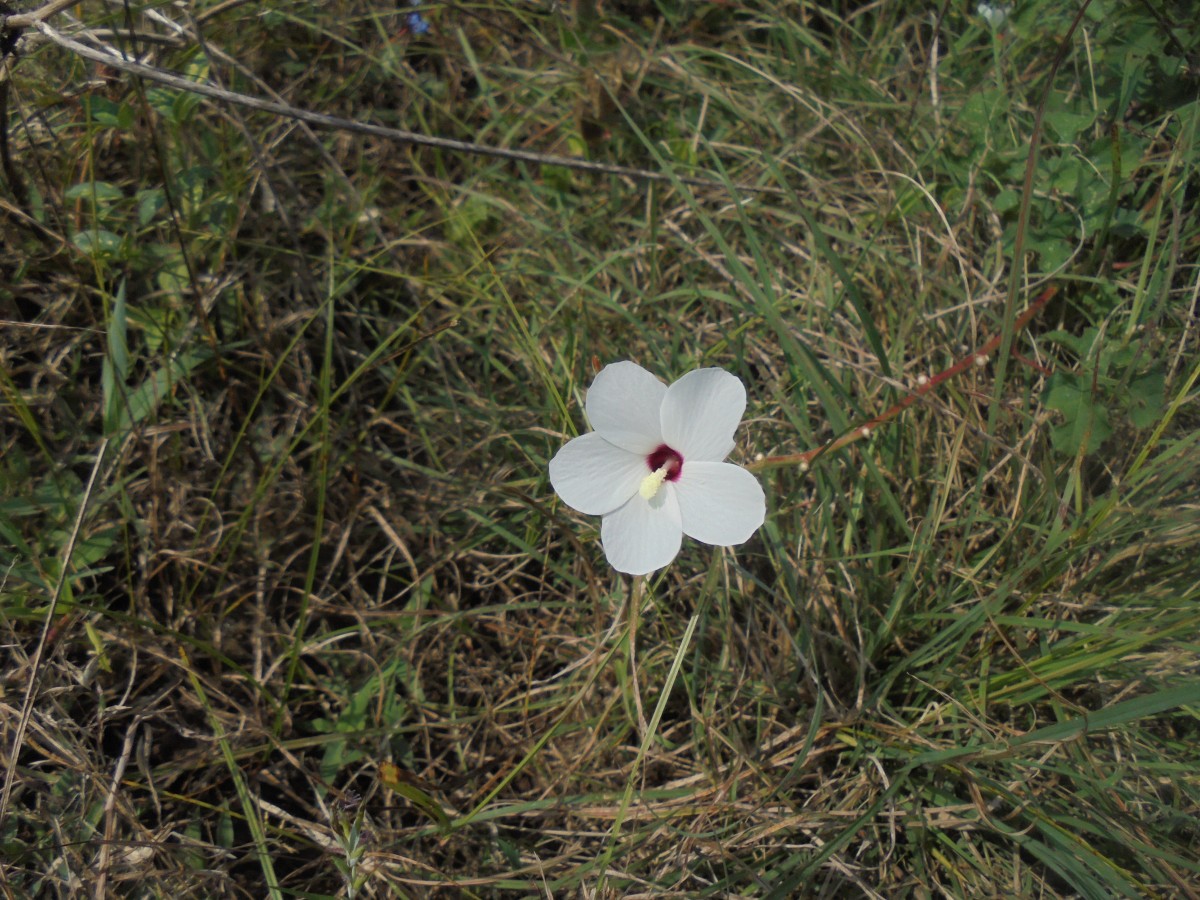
277 404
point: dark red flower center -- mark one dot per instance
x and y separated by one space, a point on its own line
665 456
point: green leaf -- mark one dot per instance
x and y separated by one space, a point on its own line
109 114
1079 344
150 201
683 149
1066 125
391 776
145 399
98 191
1006 201
115 369
1086 425
467 218
363 710
98 243
1145 399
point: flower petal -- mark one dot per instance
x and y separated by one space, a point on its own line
700 413
719 503
623 405
594 477
643 535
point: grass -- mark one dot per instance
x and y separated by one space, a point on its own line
290 608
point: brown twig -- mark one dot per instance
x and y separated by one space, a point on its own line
17 21
864 430
115 60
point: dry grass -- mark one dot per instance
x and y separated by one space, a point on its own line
317 377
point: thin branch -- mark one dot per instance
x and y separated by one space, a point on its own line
115 60
25 20
859 432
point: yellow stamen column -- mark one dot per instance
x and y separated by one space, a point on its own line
652 482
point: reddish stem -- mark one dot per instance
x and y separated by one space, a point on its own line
860 431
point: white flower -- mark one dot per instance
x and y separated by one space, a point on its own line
653 467
995 14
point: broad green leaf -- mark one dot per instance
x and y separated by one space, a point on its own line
150 201
1086 426
98 243
100 191
1145 398
1065 125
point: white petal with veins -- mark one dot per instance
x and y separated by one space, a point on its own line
643 535
700 413
623 405
594 477
720 503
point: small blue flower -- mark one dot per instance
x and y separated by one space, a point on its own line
416 24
